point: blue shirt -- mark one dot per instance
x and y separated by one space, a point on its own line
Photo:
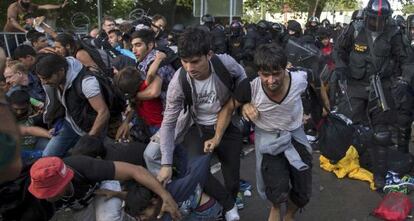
126 52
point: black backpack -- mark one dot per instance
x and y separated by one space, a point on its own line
99 56
114 98
227 79
336 135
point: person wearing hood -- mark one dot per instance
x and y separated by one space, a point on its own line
85 110
19 8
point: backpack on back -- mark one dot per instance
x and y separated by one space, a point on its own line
99 56
225 77
113 97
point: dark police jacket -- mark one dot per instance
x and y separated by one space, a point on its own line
353 57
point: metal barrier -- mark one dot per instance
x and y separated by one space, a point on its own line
13 39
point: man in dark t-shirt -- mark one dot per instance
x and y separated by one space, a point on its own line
71 183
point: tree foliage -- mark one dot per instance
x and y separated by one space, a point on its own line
310 6
408 7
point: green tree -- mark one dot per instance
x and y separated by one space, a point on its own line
312 7
408 7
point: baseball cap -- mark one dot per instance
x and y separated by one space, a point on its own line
49 177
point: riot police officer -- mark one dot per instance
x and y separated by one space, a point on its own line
279 34
236 40
312 27
294 29
217 31
410 30
366 62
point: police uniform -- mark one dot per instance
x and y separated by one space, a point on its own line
358 58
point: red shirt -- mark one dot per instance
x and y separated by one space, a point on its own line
150 110
327 52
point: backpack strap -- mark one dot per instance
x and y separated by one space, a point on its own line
188 98
222 73
185 85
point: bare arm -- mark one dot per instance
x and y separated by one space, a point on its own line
123 130
223 121
12 17
86 59
50 6
49 30
3 59
102 117
152 91
34 131
152 71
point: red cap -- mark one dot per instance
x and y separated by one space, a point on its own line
49 177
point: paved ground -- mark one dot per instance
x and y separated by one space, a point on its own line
333 199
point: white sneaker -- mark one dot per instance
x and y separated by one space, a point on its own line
233 214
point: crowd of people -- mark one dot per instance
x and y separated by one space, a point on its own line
122 124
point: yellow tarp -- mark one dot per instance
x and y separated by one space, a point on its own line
348 166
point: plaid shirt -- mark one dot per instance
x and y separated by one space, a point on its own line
165 72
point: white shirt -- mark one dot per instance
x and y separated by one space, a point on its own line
207 104
286 115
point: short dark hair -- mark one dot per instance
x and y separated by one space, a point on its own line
23 51
194 42
29 15
116 31
128 80
138 199
270 57
89 146
48 64
36 36
157 17
108 18
67 39
146 35
18 96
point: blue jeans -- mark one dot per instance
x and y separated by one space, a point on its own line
210 214
65 139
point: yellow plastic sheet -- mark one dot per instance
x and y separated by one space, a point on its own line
348 166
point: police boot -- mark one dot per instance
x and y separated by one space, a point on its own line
403 139
380 166
382 139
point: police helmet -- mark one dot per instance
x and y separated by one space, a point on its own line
236 28
313 19
207 18
294 26
357 15
377 14
400 20
262 24
326 23
178 28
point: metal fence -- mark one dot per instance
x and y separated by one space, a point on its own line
11 40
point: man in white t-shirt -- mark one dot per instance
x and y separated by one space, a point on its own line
283 154
85 109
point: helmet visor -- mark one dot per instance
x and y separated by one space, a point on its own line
375 23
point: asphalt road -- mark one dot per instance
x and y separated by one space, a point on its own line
333 199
